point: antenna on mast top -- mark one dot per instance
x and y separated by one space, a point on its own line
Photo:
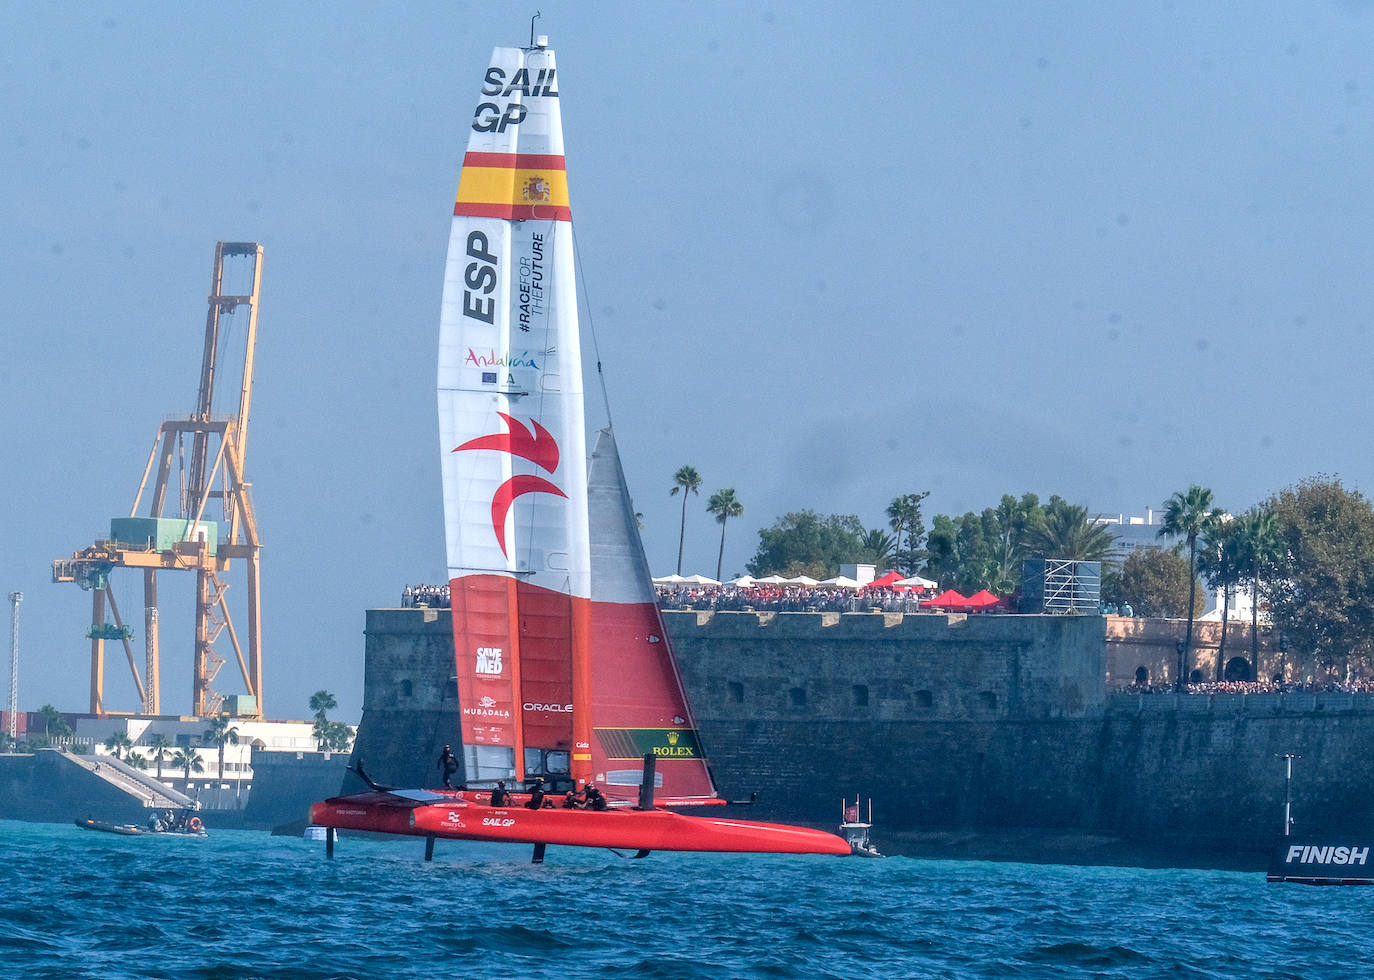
543 41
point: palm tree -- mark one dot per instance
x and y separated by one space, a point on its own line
904 515
136 760
877 546
118 742
322 702
1260 545
188 761
160 744
688 480
1218 560
221 734
1188 516
724 505
1066 531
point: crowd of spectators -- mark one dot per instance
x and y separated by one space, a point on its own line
762 598
433 596
786 598
1275 686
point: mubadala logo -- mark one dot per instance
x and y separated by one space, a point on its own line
1330 854
486 708
488 660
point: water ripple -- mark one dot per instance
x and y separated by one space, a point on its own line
245 905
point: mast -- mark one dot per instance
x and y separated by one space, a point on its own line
512 434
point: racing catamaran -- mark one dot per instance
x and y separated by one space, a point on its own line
564 668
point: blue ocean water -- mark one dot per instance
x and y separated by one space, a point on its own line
77 904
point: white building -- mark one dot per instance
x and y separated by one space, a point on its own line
216 790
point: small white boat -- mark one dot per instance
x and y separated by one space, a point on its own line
856 831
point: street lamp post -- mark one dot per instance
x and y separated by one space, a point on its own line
1182 647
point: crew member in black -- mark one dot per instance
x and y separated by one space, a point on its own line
570 801
536 794
595 801
449 764
499 794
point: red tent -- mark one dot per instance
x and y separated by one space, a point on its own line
948 599
983 600
886 581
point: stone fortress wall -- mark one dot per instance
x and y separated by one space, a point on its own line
949 722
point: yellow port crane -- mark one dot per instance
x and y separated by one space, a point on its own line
194 541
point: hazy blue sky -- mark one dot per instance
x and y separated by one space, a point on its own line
831 255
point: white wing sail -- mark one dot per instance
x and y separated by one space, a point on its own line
512 435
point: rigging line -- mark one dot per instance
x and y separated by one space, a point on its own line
585 293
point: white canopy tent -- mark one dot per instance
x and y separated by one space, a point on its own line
916 581
842 582
805 580
699 580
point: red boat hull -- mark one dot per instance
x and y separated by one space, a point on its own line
653 830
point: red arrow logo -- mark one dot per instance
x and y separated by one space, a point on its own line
538 446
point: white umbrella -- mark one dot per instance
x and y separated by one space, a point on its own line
743 582
806 580
772 580
699 580
842 582
916 580
673 579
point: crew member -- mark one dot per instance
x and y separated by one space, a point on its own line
449 765
536 794
500 796
595 800
570 801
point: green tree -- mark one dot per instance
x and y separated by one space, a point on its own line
161 744
1067 531
188 761
54 724
1188 516
118 743
904 517
1321 592
332 736
688 480
220 733
876 549
1219 562
136 760
957 552
724 505
805 543
1154 582
321 703
1261 547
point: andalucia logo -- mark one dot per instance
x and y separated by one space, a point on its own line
635 743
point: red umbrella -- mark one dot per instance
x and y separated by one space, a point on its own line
983 599
948 599
886 581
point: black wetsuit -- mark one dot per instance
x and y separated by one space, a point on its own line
449 764
595 801
536 797
498 796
